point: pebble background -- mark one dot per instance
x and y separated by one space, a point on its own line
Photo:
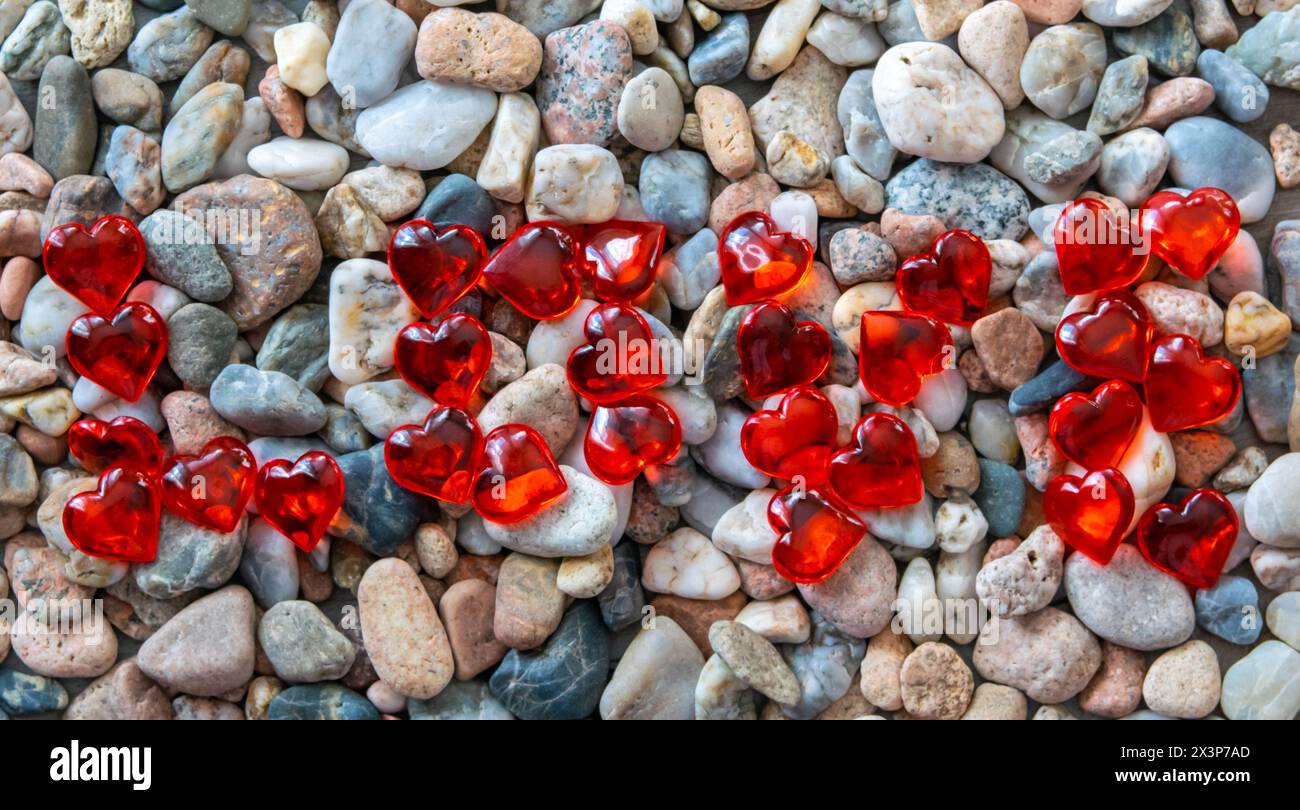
582 110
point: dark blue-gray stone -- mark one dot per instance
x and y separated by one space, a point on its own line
1001 497
1269 388
1238 93
974 197
1230 610
674 188
623 598
467 700
343 431
163 5
1205 151
1049 385
1168 42
23 693
298 344
382 514
562 679
321 702
720 56
458 200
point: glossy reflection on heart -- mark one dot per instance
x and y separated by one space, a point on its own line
435 265
1192 540
120 353
1091 513
211 488
123 442
759 261
814 535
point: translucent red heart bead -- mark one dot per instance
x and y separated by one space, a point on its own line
121 353
1096 249
445 362
777 353
1190 541
625 437
1191 233
119 519
123 442
300 498
621 258
517 475
1111 338
538 270
794 439
96 265
815 536
1185 389
620 357
898 351
211 488
950 281
1095 430
881 468
435 266
438 458
759 261
1091 513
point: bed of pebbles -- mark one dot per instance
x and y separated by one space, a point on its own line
267 149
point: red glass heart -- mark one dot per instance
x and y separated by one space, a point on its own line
517 475
1095 249
950 281
620 357
1191 233
120 354
123 442
435 266
445 362
438 458
626 437
795 439
1110 339
621 258
96 265
760 262
815 535
898 350
1192 540
1091 513
1186 389
119 519
300 498
776 353
213 487
881 468
537 270
1095 430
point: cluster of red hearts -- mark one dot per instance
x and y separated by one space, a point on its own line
543 270
1109 335
120 346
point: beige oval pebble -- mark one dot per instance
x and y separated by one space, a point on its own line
403 635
